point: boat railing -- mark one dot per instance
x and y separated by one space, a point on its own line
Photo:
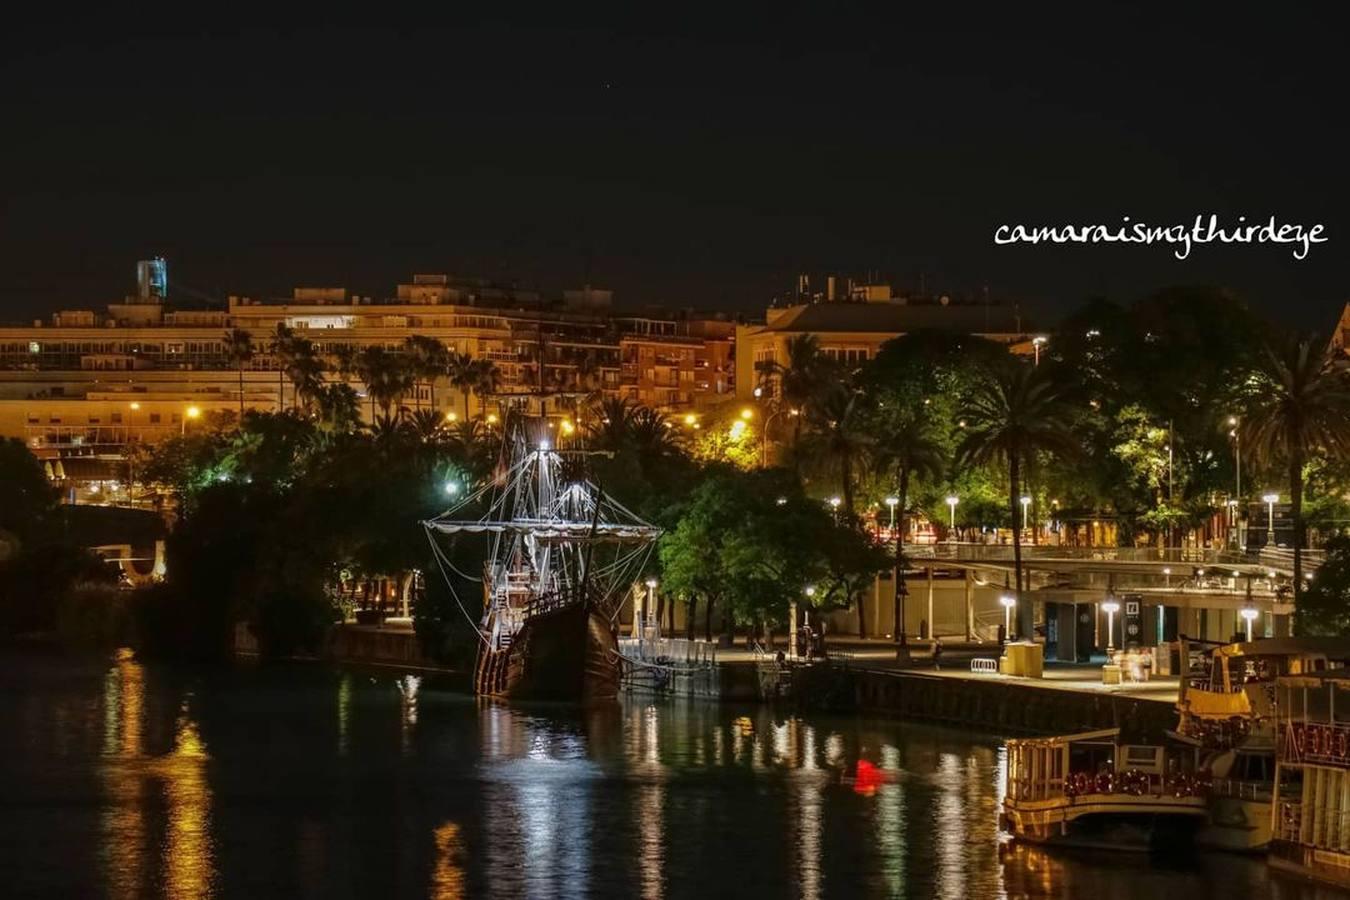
1290 822
1241 790
1079 786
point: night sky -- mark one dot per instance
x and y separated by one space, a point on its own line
693 157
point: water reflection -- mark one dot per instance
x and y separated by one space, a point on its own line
156 815
245 783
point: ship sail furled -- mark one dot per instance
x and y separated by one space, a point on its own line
553 542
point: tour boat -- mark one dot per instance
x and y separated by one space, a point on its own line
1311 805
1096 790
1227 705
560 557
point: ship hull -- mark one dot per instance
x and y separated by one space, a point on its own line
568 655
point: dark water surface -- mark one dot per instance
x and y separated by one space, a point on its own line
126 780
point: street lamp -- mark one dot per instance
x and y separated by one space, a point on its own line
892 502
451 488
952 500
1037 342
192 412
1111 607
747 414
834 505
1026 504
1270 518
1249 614
649 605
1008 601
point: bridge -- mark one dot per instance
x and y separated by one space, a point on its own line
1186 578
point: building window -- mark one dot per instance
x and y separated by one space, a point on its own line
154 418
116 418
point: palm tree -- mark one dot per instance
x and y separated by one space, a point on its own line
800 379
1303 407
652 436
386 377
281 347
429 358
239 350
426 425
305 367
461 370
910 450
339 408
1011 414
487 381
608 426
841 440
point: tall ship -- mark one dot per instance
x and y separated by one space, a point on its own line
559 557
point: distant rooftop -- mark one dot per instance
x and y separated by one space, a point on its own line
891 318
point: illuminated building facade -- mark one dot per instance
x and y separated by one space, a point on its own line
84 385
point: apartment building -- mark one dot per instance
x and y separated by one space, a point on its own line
81 386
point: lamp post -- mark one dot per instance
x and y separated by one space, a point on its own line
451 488
1111 607
952 500
1026 505
647 606
834 505
892 502
1038 342
1008 601
1270 518
1249 614
192 412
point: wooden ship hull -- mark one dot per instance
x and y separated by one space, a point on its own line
569 654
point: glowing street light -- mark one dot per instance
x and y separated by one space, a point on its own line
1038 342
1026 504
759 392
1271 500
492 418
452 488
452 416
690 418
810 590
192 412
892 502
1249 614
135 405
1111 607
747 413
952 500
1008 601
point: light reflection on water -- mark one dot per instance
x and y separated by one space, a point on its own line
130 781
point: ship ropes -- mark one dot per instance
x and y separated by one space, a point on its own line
551 558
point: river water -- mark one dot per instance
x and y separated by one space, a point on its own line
124 780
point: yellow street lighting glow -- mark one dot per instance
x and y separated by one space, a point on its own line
737 429
452 417
135 405
690 419
492 418
193 412
747 413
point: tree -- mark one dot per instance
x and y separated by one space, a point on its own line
909 450
800 379
486 381
282 347
1014 412
305 368
429 358
1302 407
463 374
841 440
1324 609
239 350
386 376
28 501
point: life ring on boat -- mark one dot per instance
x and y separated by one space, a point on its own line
1183 785
1076 783
1134 783
1105 782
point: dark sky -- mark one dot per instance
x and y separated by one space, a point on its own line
686 156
